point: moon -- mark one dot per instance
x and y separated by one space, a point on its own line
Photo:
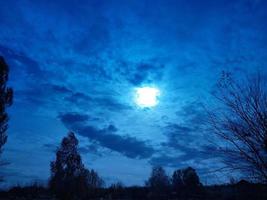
147 96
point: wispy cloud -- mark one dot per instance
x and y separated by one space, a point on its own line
76 64
107 137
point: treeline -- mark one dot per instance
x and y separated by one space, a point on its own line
71 180
239 191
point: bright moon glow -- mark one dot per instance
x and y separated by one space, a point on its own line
147 96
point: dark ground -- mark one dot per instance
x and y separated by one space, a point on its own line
239 191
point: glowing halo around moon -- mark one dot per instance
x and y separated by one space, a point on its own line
146 97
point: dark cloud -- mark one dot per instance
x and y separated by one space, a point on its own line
187 156
193 114
179 134
71 118
109 138
60 89
78 97
140 73
126 145
112 128
111 103
186 138
32 97
30 65
42 94
179 129
108 102
187 152
92 148
166 160
41 91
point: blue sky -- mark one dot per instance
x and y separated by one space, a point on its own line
74 65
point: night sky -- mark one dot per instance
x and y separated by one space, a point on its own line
76 65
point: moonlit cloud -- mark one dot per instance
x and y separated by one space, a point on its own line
75 65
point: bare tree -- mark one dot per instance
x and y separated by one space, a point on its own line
240 121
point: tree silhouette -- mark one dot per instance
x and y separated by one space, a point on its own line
158 178
6 97
158 182
185 182
93 180
69 178
241 124
185 177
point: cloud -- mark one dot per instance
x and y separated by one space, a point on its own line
142 72
193 114
179 134
106 102
31 66
126 145
49 94
111 103
92 148
187 141
87 56
166 161
70 118
108 137
182 154
60 89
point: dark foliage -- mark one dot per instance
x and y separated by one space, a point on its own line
69 178
6 97
34 191
240 191
158 183
185 177
185 182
